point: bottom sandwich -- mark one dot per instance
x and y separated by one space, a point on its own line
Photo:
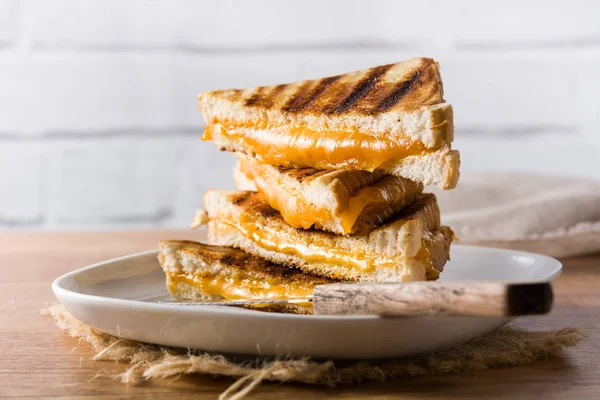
197 271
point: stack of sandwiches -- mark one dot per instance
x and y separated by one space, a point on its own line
331 174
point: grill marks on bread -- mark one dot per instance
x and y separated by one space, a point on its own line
302 100
264 97
420 202
253 202
236 259
369 92
303 174
360 90
240 198
395 95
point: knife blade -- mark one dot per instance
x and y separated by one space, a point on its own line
242 302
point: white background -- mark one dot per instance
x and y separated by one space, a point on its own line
98 116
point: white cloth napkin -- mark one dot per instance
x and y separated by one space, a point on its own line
557 216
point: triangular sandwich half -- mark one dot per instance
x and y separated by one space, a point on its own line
201 272
411 246
342 201
391 118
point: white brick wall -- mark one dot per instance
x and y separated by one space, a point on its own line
8 25
98 117
117 179
264 24
89 93
21 180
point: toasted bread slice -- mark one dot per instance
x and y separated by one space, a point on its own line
342 201
404 100
197 271
392 118
412 246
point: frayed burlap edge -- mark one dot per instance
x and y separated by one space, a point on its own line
503 347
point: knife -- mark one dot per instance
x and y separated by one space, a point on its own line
414 299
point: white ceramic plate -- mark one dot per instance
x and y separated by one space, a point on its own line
120 297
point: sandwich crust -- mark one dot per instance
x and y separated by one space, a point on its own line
399 99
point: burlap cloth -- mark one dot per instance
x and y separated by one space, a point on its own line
558 217
503 347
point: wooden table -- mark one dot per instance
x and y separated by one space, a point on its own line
38 360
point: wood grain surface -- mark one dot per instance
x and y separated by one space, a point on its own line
37 360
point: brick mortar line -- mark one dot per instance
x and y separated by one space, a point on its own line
22 223
527 45
160 215
359 45
512 131
508 131
228 49
89 135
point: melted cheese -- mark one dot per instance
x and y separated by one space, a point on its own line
424 254
273 240
357 203
298 212
231 287
294 209
304 147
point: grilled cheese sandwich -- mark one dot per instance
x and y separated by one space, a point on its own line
196 271
402 249
342 201
391 118
332 172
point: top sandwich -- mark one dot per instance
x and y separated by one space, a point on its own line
390 118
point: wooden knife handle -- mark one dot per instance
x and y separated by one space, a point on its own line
411 299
